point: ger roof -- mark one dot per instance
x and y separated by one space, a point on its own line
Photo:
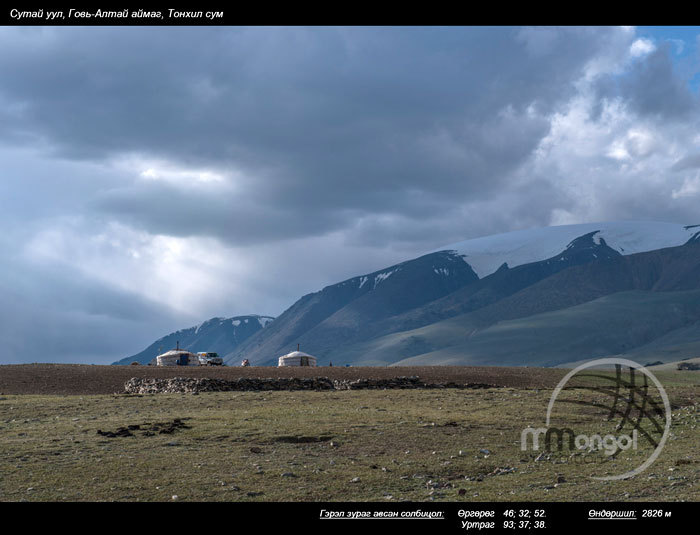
174 352
297 354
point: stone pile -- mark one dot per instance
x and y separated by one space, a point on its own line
399 382
190 385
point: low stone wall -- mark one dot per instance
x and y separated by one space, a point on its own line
400 382
191 385
137 385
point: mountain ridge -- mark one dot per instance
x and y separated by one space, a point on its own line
411 308
673 270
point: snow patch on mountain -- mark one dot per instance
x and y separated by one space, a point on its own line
382 277
486 254
235 321
264 320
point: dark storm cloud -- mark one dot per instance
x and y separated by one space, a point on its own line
322 121
164 209
49 314
652 88
689 162
521 206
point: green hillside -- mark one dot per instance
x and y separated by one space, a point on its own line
618 324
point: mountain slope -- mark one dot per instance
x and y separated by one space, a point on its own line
221 335
502 283
670 269
671 273
423 291
368 330
340 312
610 325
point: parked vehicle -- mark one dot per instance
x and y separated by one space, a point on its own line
210 359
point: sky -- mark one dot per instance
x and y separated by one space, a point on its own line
152 178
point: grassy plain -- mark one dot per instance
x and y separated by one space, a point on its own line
364 445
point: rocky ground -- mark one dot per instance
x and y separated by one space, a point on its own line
76 379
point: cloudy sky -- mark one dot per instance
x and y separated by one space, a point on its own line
152 178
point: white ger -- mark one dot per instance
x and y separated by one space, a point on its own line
297 358
177 357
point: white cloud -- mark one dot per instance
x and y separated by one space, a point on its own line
637 142
689 188
174 174
611 163
642 47
179 273
200 277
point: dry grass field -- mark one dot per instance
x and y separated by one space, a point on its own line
67 434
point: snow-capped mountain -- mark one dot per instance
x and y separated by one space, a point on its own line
544 296
486 254
406 311
220 335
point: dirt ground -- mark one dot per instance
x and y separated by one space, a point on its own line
81 379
